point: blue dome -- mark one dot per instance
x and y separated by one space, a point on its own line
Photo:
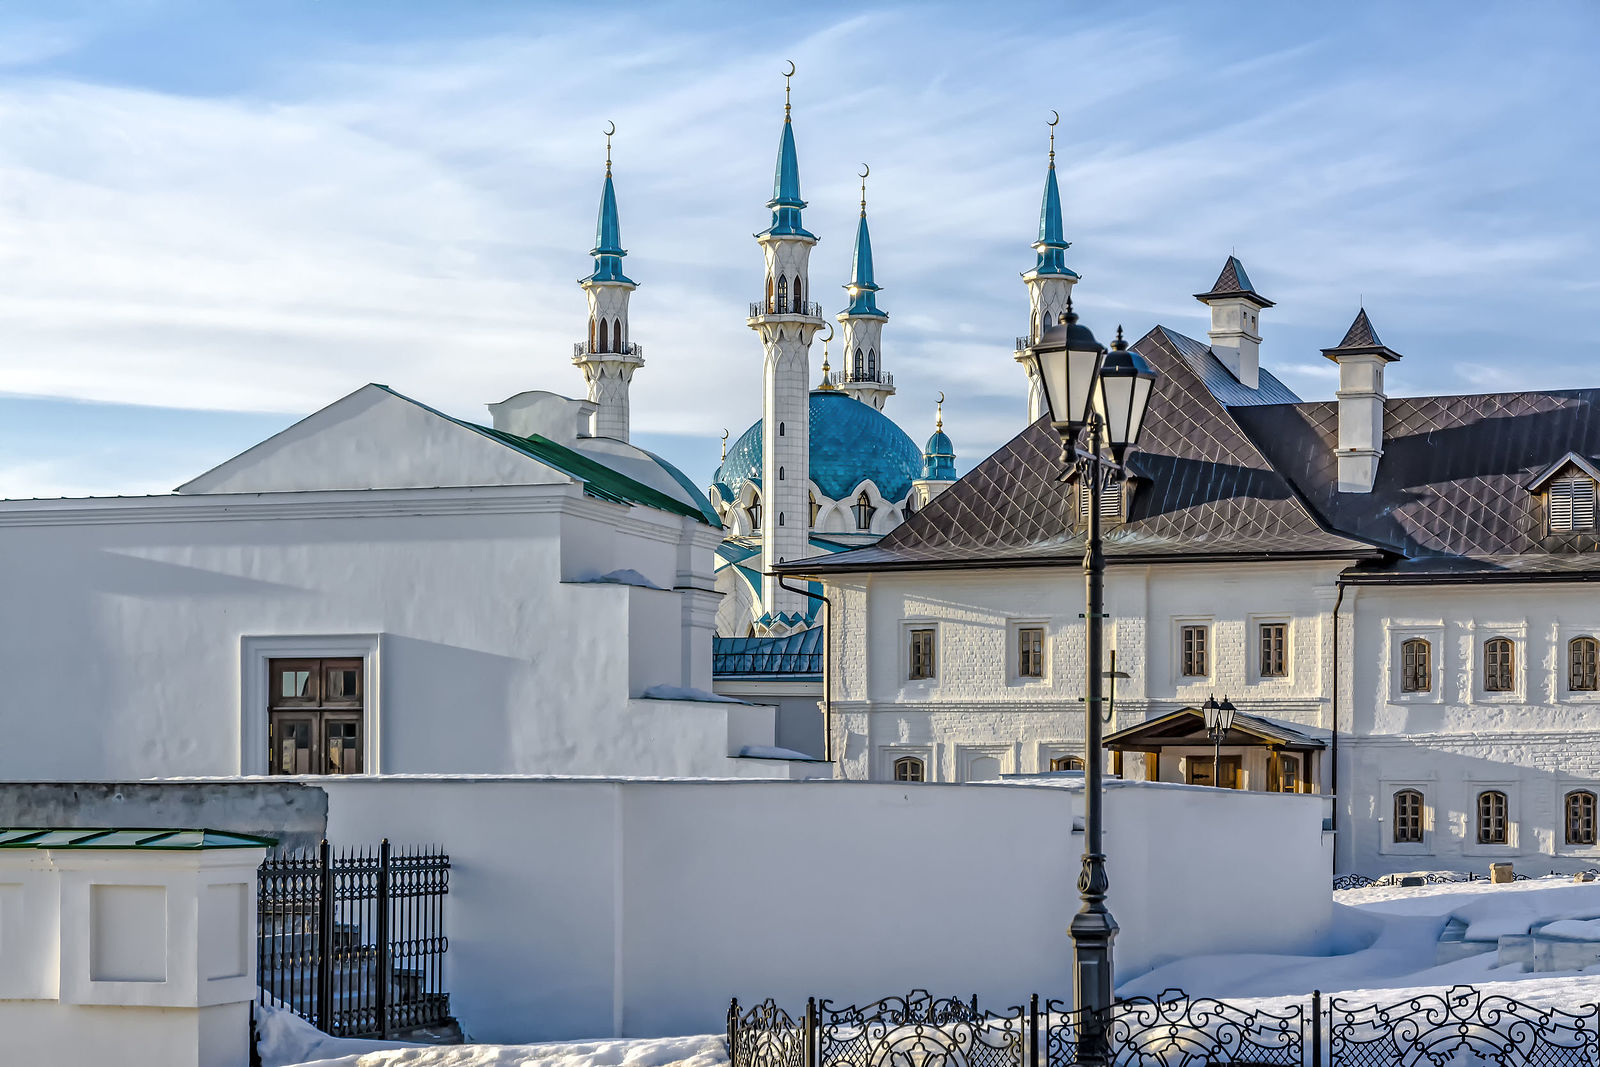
939 458
851 442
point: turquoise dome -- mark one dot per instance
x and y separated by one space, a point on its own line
851 442
939 458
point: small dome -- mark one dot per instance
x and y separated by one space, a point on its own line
939 458
851 442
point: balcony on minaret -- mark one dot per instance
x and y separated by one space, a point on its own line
583 349
779 307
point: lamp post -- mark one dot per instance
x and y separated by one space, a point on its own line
1219 720
1087 388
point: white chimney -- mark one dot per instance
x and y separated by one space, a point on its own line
1361 358
1235 333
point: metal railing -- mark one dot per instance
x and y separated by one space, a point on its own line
354 941
584 348
1461 1024
799 308
1023 344
1361 881
882 378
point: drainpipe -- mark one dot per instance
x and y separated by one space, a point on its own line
1333 773
827 665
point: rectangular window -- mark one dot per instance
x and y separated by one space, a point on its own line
314 716
1288 774
1274 649
1408 817
1580 818
1583 665
922 664
1030 652
1200 768
1193 643
1492 818
1416 666
1499 665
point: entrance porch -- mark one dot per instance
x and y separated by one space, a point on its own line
1258 754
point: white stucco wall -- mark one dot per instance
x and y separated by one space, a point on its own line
591 907
138 630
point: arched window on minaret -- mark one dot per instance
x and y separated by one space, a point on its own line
799 308
872 364
604 338
769 295
1047 323
857 367
591 333
616 335
783 296
815 507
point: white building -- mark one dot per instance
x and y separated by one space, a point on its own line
1392 591
385 588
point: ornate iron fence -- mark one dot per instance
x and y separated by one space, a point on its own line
355 941
1361 881
1456 1026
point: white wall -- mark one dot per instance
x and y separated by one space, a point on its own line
129 625
593 907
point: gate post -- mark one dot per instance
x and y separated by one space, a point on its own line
1033 1030
385 958
810 1052
325 939
1316 1028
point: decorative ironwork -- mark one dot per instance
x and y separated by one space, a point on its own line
1172 1030
800 308
355 941
587 348
1461 1025
1359 881
767 1036
1351 881
919 1030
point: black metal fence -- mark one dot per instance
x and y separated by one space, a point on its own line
354 941
1458 1026
1361 881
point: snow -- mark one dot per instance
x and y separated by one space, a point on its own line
1573 929
678 692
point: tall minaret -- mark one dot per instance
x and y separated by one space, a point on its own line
786 322
1050 281
609 357
864 377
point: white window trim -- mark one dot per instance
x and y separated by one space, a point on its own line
1517 633
1397 635
1045 751
966 754
887 754
904 668
1559 806
1253 624
1387 845
1564 636
1513 846
256 650
1013 630
1179 679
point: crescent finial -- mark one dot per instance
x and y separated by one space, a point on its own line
1055 117
829 337
865 170
724 433
611 128
790 72
941 397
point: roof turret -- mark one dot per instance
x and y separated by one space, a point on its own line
1233 282
939 455
1361 339
608 250
1052 244
786 203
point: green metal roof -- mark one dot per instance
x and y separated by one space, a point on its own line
147 840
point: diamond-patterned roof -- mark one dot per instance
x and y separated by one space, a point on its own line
1203 490
1233 281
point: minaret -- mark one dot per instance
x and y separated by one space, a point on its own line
1050 281
609 357
938 464
786 322
864 377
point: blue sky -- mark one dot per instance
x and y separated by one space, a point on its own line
215 218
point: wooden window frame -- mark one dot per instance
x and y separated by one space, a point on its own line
1408 826
1416 672
922 664
910 769
1578 807
1194 651
1067 763
320 713
1493 818
1499 665
1030 652
1272 643
1583 665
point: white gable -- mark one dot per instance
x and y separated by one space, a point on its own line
374 439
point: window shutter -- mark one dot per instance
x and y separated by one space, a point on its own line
1582 504
1560 497
1572 504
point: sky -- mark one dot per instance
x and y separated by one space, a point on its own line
217 218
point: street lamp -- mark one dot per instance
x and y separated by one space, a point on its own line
1219 720
1106 393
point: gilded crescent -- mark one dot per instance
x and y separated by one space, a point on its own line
865 170
611 128
1055 117
790 72
828 338
941 397
724 433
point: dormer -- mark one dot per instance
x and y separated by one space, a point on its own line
1567 487
1111 500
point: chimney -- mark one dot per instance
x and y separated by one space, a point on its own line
1361 358
1235 337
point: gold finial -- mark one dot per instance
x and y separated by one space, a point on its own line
724 444
938 421
786 76
827 377
865 170
611 128
1055 117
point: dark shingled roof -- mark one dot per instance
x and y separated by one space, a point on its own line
1204 491
1233 281
1451 491
1360 338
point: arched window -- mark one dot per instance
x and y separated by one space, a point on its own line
1580 817
858 367
799 305
754 511
616 335
909 769
1583 656
1408 817
780 429
872 364
780 518
591 333
1047 322
1492 817
1416 666
783 296
603 338
769 295
863 510
1499 666
780 474
911 505
1067 763
815 507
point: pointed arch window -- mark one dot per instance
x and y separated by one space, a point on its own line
770 306
872 364
1416 666
1408 817
616 335
858 366
754 513
910 769
1583 657
799 306
1499 665
783 296
815 508
780 474
863 510
591 333
1045 322
1580 817
1492 821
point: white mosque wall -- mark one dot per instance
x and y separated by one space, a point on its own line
1535 744
139 630
588 907
976 708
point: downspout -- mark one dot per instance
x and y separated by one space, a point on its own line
827 665
1333 773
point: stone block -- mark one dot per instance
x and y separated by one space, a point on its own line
1500 873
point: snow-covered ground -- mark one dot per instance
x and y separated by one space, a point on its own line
1384 949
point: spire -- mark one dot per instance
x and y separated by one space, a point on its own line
939 455
608 250
1052 245
786 203
827 378
862 288
1233 282
1361 339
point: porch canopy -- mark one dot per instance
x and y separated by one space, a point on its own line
1186 728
